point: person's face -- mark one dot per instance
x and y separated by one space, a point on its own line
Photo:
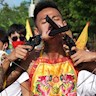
17 37
43 27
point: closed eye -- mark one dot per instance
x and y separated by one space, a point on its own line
56 19
43 21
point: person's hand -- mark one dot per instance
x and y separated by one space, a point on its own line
21 52
66 49
82 56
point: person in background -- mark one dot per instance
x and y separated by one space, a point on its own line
18 82
86 80
86 60
53 75
3 47
3 40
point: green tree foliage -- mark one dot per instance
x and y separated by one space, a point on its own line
9 15
78 12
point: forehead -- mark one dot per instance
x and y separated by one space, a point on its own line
48 11
14 34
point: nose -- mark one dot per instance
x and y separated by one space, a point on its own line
18 38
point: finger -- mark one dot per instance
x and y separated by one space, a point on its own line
25 47
74 48
78 62
20 56
65 46
21 53
74 56
67 51
20 50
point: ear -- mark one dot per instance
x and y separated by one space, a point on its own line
5 46
36 31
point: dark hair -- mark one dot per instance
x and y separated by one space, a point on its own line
2 32
42 5
19 28
3 36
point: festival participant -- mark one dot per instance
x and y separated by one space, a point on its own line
3 40
53 73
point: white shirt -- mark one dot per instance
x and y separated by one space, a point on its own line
86 85
14 89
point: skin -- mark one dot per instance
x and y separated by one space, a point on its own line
13 35
56 51
1 45
42 24
43 28
53 49
83 56
25 89
19 52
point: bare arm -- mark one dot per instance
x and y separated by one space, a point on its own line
24 66
13 76
26 89
1 78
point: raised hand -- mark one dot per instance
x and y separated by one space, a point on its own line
82 56
21 51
